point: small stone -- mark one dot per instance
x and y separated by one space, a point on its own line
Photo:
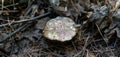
60 29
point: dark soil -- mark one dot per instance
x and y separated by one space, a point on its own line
22 23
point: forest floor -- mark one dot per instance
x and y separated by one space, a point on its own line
22 23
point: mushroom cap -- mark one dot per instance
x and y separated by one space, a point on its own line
60 29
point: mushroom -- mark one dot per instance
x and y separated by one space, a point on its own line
60 29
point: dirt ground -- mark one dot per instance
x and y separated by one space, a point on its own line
22 23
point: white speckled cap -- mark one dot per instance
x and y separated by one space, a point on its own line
60 29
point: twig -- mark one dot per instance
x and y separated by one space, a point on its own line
8 11
2 4
106 41
101 34
26 20
74 47
83 49
11 34
9 5
23 26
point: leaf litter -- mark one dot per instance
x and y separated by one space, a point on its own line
22 23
